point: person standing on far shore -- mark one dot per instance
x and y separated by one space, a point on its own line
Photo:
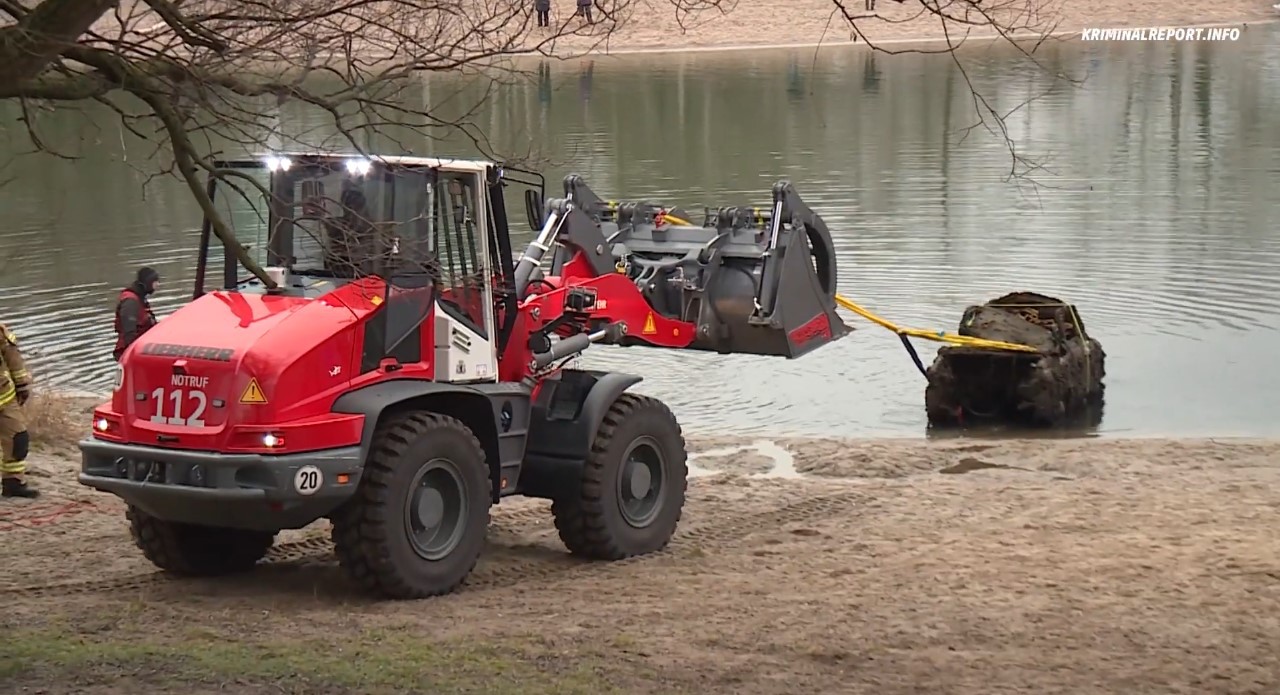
584 9
543 8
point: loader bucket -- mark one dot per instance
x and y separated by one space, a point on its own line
753 280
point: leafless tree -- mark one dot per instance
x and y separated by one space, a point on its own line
215 70
187 74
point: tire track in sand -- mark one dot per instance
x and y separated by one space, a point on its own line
503 566
726 532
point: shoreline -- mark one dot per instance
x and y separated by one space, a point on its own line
904 42
754 25
60 418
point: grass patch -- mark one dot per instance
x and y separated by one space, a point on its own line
56 420
364 661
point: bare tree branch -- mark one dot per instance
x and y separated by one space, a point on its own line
38 37
211 76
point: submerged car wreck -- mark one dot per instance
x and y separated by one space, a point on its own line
1059 385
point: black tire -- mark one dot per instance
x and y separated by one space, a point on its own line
593 521
197 551
373 533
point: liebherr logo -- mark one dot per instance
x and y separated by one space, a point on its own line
1162 34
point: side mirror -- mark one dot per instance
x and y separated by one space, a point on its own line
533 209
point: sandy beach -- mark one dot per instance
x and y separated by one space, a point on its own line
883 566
488 34
753 23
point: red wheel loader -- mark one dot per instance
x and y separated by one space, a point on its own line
402 371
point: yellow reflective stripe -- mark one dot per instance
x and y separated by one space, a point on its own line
8 395
13 467
20 374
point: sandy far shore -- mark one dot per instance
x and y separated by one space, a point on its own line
656 26
765 23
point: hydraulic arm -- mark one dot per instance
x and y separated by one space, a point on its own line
746 280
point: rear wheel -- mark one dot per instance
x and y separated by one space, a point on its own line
417 524
633 484
196 551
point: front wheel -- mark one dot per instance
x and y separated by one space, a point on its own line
191 550
417 524
633 484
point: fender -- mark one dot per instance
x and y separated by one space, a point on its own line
566 415
498 414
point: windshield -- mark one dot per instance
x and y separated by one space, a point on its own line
333 219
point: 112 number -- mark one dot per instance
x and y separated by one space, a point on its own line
177 397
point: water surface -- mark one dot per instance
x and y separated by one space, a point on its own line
1157 220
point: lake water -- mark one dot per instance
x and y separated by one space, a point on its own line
1157 218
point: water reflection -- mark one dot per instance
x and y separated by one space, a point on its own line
795 80
584 79
1158 222
544 83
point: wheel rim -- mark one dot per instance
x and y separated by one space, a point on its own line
436 509
640 482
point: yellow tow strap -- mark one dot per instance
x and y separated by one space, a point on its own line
938 336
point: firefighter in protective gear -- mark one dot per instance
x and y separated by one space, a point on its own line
133 311
15 390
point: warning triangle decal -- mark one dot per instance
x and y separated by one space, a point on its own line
649 326
253 394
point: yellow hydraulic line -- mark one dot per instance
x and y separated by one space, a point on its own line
937 336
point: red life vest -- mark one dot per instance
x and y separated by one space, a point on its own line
145 321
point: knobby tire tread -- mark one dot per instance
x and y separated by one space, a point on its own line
196 551
360 528
581 519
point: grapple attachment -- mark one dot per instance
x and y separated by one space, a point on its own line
758 281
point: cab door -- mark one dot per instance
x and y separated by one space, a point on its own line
465 345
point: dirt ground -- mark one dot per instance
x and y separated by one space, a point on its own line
945 566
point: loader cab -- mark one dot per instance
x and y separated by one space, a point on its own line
422 234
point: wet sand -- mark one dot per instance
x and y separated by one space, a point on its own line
887 566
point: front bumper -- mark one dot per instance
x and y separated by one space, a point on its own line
247 491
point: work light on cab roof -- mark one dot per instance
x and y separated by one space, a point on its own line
404 371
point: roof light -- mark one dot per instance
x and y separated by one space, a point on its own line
358 166
275 163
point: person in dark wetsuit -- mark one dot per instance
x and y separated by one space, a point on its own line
133 310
